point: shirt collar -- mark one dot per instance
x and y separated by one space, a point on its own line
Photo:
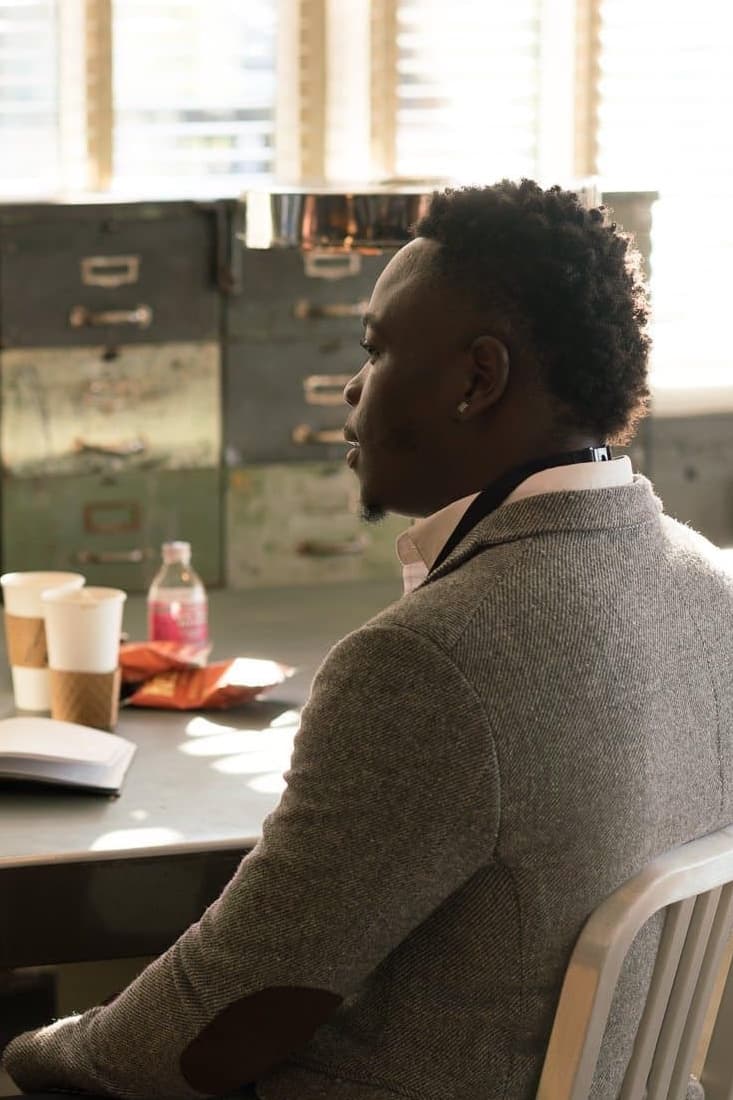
425 538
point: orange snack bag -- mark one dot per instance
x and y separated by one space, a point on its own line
215 687
141 660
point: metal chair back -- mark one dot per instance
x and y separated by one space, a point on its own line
694 884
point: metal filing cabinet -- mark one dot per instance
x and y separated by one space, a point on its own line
110 382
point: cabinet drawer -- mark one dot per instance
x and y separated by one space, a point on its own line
276 410
107 274
89 410
292 344
111 528
299 524
290 293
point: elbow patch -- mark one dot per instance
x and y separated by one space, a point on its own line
253 1034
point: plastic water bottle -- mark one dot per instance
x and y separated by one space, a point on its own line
177 603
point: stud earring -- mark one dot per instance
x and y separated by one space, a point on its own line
463 406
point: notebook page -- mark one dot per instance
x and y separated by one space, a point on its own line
49 739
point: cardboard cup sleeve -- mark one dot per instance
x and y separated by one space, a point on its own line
26 640
89 698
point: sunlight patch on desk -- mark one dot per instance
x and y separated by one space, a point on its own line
250 763
135 838
268 744
204 727
270 783
199 726
288 718
224 743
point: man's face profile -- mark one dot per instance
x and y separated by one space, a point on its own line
404 397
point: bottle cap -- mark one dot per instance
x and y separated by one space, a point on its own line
176 552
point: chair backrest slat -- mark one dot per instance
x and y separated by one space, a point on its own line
717 1072
717 942
676 925
682 993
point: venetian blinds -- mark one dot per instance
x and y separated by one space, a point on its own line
468 89
29 163
666 99
194 93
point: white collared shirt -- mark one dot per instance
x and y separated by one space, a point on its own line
419 546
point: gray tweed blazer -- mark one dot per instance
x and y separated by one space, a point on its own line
478 766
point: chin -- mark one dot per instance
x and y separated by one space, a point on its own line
371 512
371 508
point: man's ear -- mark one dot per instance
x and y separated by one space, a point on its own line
489 375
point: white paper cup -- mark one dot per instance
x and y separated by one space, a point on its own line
25 634
83 629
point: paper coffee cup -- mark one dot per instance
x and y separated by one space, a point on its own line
89 698
83 636
25 632
83 629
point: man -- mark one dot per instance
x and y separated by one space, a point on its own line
547 708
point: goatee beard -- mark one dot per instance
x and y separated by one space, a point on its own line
372 513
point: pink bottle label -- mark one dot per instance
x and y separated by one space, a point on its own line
178 621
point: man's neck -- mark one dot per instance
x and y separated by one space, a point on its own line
480 470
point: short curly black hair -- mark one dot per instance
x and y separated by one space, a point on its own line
568 283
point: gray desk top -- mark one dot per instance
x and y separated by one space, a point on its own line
197 781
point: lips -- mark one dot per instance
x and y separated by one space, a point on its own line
353 453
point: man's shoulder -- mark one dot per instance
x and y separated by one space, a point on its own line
703 578
522 579
440 610
689 547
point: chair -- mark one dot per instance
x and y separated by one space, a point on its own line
694 884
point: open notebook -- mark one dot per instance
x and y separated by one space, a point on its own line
44 750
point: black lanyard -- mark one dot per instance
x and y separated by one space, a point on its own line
493 495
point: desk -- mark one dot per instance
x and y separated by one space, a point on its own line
84 877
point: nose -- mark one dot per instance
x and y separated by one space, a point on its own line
353 388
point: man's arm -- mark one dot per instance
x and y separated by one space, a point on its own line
391 805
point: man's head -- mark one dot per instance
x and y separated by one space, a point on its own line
511 328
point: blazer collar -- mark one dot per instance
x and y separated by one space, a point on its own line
579 510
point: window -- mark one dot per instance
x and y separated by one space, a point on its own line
468 82
666 98
28 98
194 93
154 97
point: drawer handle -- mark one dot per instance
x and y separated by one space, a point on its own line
81 317
107 517
304 434
112 557
305 310
124 449
331 265
325 389
316 548
110 271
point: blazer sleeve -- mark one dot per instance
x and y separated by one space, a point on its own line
391 804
